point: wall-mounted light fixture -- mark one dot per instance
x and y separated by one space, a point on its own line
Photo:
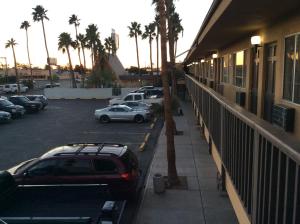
256 42
215 55
202 61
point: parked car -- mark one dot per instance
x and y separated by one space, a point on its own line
108 164
121 112
49 85
30 106
41 98
143 88
5 117
13 88
1 88
136 97
137 105
14 110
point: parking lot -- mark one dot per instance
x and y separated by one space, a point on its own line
63 122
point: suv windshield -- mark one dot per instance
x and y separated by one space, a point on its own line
23 99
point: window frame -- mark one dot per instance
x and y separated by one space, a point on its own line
292 100
244 70
227 68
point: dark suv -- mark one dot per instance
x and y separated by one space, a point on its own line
14 110
30 106
103 164
39 98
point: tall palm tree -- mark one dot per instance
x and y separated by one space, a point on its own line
171 156
177 29
25 25
64 43
156 22
135 31
92 36
108 44
12 43
73 19
150 35
82 41
39 14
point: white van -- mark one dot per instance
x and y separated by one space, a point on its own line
13 88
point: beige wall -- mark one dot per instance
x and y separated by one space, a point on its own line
275 33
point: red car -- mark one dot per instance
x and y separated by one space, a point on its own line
103 164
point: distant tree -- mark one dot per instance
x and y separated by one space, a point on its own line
12 43
64 43
25 25
92 36
39 14
156 22
135 31
73 19
83 43
150 35
110 45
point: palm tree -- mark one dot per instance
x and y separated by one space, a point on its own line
82 41
177 29
11 43
64 43
39 14
25 25
135 31
156 22
74 20
171 156
92 36
150 34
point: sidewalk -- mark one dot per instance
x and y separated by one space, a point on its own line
201 202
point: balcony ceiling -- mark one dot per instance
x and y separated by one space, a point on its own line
241 19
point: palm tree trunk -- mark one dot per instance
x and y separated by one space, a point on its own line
150 43
16 69
171 48
84 65
71 69
172 171
48 59
31 75
137 54
157 53
78 45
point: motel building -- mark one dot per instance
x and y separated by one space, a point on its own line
243 77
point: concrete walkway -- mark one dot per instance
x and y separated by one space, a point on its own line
201 202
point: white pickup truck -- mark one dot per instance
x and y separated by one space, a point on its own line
134 97
13 88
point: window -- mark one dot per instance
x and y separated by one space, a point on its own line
104 165
43 168
75 167
211 69
291 88
128 98
224 70
240 69
138 97
119 110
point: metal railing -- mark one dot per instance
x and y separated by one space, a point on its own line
262 161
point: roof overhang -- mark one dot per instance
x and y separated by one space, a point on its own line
231 20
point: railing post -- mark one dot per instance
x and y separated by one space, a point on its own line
255 177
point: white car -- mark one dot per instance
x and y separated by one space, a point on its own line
13 88
121 112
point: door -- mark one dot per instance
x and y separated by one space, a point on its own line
270 75
254 80
41 173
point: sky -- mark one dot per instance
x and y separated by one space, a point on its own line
106 14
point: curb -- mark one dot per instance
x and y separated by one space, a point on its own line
142 146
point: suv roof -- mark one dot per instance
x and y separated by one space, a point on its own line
87 149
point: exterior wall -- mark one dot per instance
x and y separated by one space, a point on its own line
275 33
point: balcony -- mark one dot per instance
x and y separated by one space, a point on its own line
260 161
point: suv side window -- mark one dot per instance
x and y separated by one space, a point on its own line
105 166
138 97
74 167
128 98
42 168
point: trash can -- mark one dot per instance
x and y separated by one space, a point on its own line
158 183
